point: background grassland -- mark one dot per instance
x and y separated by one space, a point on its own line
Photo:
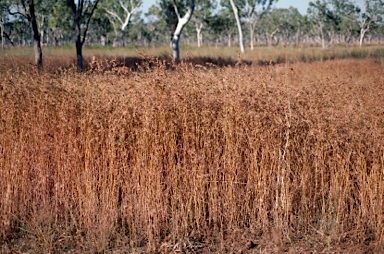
287 157
260 55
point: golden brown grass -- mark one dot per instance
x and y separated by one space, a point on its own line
260 54
282 158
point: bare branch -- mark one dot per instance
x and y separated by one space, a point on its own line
269 5
176 10
72 5
124 7
25 9
89 19
114 14
133 7
81 6
125 24
113 23
16 13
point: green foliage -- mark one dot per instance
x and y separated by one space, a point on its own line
335 21
167 12
222 23
283 23
61 21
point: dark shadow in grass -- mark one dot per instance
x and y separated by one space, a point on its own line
207 61
145 63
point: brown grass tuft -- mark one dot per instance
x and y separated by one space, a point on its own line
289 157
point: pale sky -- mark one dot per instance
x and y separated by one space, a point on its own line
301 5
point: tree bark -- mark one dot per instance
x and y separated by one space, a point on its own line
78 42
362 34
179 28
77 12
199 27
36 35
251 34
122 33
2 32
241 40
124 24
79 53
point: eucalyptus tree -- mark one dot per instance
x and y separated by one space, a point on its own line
345 14
82 11
158 24
3 19
26 10
101 30
371 13
177 14
120 12
378 32
270 25
296 23
182 20
341 17
319 15
202 16
140 32
235 9
284 25
60 24
222 26
43 9
253 11
36 35
333 19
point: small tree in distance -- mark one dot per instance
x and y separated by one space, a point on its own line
182 21
372 12
121 12
201 17
26 9
237 17
82 9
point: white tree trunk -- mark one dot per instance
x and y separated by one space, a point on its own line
199 27
241 40
124 24
179 28
364 27
41 24
123 27
362 33
251 34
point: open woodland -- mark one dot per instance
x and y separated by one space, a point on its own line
230 156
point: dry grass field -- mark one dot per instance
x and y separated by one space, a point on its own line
192 159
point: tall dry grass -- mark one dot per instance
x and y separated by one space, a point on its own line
177 159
